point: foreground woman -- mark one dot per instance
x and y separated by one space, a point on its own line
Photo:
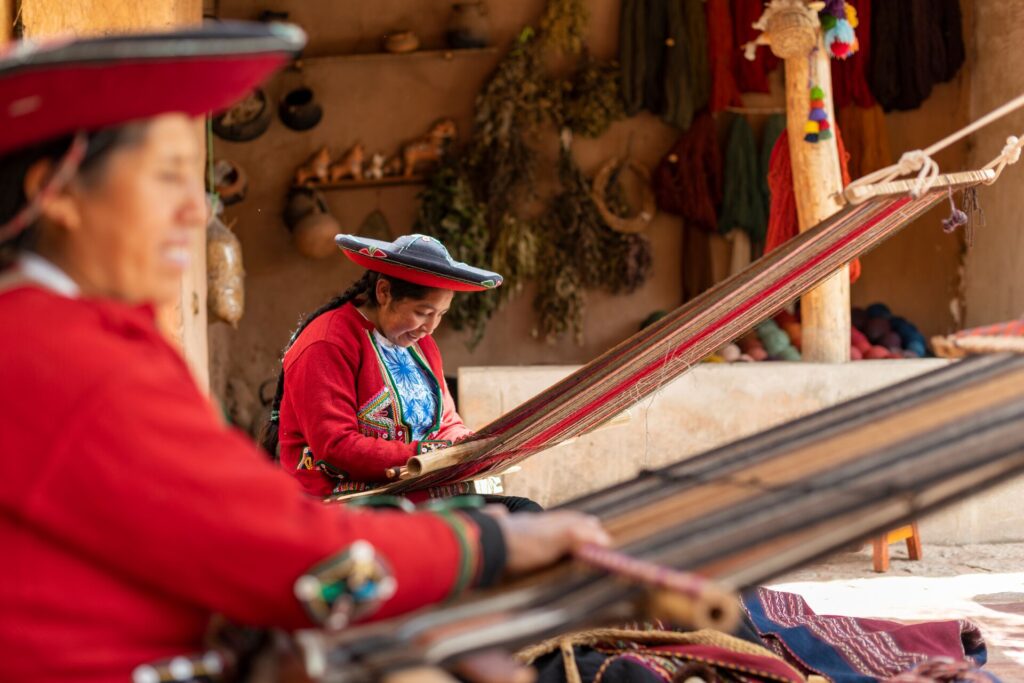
362 389
128 513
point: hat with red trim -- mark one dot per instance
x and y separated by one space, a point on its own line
62 88
418 259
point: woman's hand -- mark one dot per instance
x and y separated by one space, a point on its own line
535 540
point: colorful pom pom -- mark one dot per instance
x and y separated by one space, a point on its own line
817 94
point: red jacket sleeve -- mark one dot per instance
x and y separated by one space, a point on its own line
320 385
148 484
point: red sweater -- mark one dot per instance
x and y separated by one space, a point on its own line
129 513
338 404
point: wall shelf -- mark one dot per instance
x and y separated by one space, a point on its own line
360 184
421 55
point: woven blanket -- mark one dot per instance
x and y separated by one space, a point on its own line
854 650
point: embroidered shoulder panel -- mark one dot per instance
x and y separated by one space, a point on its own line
377 418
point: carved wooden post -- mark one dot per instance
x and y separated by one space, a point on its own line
793 31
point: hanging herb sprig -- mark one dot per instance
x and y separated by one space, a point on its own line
499 159
450 212
578 252
591 98
564 25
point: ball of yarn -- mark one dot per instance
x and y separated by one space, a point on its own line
879 310
910 353
758 354
891 340
877 353
750 341
876 329
855 353
918 347
789 353
796 334
730 353
782 318
859 341
858 318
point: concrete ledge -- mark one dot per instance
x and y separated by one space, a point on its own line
709 406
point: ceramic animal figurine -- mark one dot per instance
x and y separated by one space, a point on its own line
348 166
393 166
375 169
429 147
315 169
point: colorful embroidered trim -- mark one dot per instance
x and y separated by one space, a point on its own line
429 446
469 542
346 586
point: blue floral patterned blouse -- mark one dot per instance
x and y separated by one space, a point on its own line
417 388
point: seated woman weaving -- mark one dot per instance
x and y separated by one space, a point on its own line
362 388
129 514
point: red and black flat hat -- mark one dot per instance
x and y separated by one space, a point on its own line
53 89
418 259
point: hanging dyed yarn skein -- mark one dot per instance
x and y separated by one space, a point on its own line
817 127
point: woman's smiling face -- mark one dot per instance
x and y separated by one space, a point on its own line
404 321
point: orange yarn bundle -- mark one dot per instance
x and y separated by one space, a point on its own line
867 139
783 224
721 53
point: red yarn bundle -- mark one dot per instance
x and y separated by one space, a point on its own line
721 55
751 76
688 180
783 224
850 76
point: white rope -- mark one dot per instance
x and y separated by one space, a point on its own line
1009 155
921 162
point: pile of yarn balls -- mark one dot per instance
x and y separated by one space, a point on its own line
875 334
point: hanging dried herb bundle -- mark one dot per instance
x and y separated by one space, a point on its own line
591 99
579 251
450 212
515 251
564 25
499 159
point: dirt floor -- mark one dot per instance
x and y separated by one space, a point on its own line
983 583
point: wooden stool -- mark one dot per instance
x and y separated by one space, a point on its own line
880 554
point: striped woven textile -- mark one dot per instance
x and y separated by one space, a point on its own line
744 513
658 354
1008 336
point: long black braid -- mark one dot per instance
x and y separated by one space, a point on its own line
364 292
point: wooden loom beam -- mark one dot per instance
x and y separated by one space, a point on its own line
817 178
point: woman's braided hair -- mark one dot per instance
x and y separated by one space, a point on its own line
363 291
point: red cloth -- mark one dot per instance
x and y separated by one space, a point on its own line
129 513
337 403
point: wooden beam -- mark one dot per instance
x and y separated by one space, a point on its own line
817 178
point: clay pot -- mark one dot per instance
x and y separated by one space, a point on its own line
299 109
231 181
400 42
313 227
468 26
314 235
247 120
